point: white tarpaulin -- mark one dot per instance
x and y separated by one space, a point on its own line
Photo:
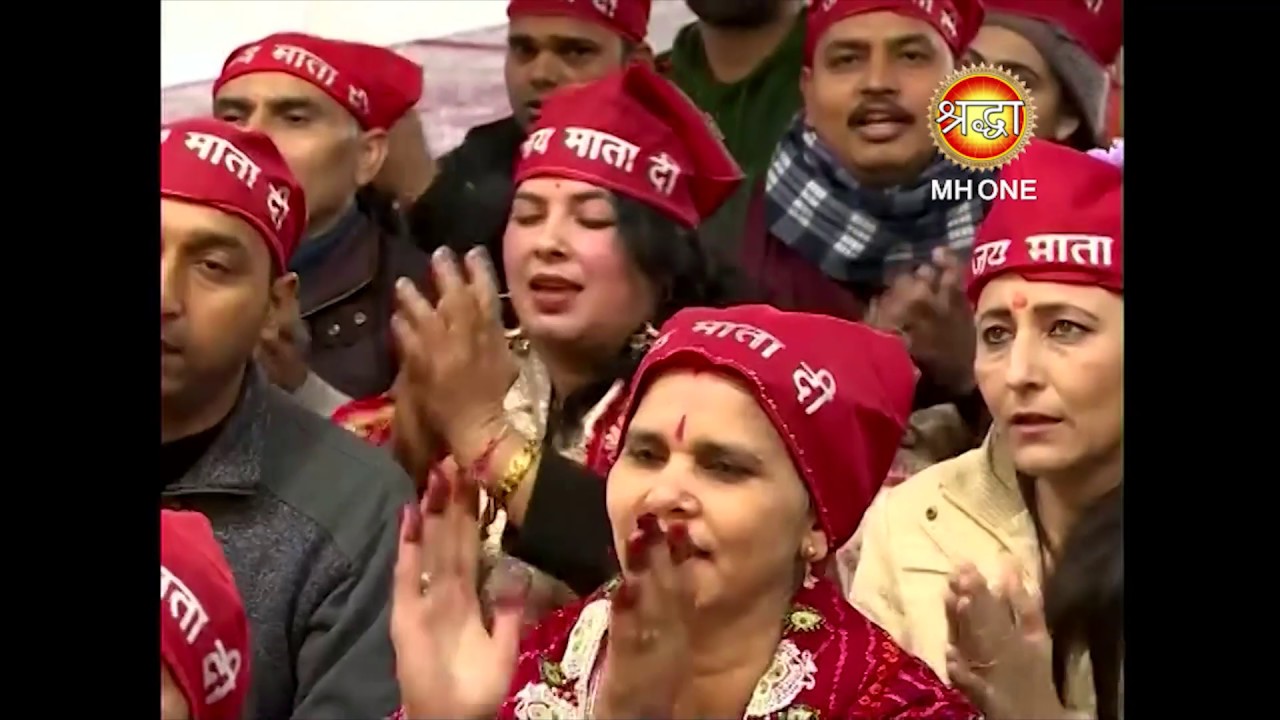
462 74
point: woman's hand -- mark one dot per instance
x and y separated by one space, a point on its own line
414 443
1000 650
454 354
448 665
647 655
929 308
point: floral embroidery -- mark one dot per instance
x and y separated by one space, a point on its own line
584 640
802 619
551 673
540 702
791 671
819 627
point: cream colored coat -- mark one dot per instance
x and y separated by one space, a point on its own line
965 509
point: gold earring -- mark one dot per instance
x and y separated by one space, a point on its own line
517 341
808 554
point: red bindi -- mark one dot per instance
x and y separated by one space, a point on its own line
680 428
1019 301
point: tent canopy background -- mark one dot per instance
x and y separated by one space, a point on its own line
462 76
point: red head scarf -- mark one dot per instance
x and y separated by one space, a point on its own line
376 85
628 18
204 636
957 21
209 162
838 393
636 134
1073 232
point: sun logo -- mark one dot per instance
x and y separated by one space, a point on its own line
982 117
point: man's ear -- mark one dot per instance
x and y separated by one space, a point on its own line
373 153
284 315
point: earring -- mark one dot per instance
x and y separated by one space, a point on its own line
808 554
642 339
516 340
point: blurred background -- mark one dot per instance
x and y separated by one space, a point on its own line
459 43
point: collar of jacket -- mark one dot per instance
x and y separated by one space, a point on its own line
348 265
990 495
233 463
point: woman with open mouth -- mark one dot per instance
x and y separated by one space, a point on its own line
955 561
600 247
754 440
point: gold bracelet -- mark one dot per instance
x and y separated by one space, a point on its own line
517 469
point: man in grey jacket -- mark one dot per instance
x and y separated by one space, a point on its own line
305 512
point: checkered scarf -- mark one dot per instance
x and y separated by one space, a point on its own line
856 234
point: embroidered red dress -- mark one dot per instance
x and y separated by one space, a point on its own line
832 662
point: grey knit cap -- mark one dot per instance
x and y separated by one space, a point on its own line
1080 75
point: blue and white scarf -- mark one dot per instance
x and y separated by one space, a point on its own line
857 234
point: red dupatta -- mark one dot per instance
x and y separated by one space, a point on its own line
832 662
369 418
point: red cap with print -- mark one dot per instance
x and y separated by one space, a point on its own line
628 18
375 84
240 172
1095 25
635 133
1073 232
957 21
204 635
838 393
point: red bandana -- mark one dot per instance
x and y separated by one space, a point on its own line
209 162
1073 232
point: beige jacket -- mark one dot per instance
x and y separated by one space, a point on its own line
965 509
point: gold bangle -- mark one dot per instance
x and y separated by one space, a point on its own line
517 469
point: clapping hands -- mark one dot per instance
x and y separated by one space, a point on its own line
1000 651
929 308
447 663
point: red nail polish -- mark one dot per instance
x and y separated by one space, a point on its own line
648 524
412 523
678 543
638 554
625 596
437 493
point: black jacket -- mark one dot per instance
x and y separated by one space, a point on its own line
347 300
566 531
470 198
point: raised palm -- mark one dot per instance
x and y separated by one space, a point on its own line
447 663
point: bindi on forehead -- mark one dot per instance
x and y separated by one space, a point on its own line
680 428
1019 301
